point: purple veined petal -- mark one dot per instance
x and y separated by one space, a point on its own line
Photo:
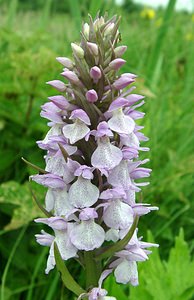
116 64
87 214
87 235
81 115
91 96
118 215
106 155
112 235
76 131
85 172
44 239
119 176
83 193
57 84
127 272
49 180
121 123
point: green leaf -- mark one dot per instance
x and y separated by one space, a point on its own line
66 277
19 195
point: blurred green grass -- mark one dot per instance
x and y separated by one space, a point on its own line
160 51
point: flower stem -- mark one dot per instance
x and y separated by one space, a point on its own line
91 269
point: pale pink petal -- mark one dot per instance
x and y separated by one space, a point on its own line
106 155
83 193
127 272
118 215
75 132
87 235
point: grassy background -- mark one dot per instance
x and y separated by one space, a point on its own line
160 50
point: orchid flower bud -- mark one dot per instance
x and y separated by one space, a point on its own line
77 50
66 62
95 73
91 96
93 48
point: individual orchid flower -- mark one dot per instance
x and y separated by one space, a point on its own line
79 129
106 155
82 192
119 122
66 248
87 235
117 214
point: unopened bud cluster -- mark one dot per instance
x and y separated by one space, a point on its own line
92 161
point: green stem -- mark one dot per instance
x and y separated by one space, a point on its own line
91 269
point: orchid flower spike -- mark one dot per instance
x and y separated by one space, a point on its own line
92 165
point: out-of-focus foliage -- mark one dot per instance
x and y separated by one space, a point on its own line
19 196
